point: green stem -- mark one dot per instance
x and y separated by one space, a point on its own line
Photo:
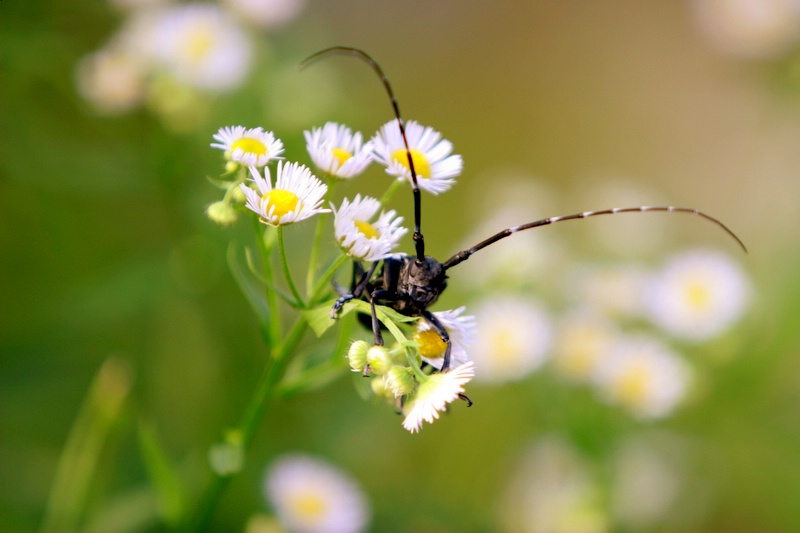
286 273
253 414
390 191
265 252
312 262
326 278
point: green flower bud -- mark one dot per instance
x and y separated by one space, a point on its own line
221 213
400 380
380 388
357 355
379 360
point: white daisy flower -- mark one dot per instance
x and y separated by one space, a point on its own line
434 394
461 330
202 46
616 291
648 482
251 147
311 496
362 239
513 339
583 339
643 376
552 490
112 79
296 196
698 294
336 150
435 168
749 28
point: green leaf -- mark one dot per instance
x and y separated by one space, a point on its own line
220 183
249 285
319 318
312 378
169 492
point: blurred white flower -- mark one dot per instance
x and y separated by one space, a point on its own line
311 496
362 239
583 339
627 235
202 46
524 260
336 150
266 13
552 491
435 167
434 394
513 339
643 376
130 5
112 79
616 291
646 483
297 194
698 294
252 147
461 330
749 28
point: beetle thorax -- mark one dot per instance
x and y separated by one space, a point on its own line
421 282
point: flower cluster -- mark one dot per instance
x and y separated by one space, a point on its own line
624 330
258 180
168 56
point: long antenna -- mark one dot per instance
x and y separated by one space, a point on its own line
465 254
419 240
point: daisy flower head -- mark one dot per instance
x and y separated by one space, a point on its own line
251 147
434 394
312 496
336 150
112 79
698 294
297 194
643 376
202 46
582 341
612 290
461 330
553 490
435 167
362 239
513 339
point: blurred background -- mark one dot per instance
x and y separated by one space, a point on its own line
116 292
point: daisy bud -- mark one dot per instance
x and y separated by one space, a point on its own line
221 213
380 388
379 360
400 380
357 355
237 195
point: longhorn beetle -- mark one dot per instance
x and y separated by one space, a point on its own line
410 284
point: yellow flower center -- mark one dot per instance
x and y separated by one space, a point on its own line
284 202
633 386
430 343
342 155
198 43
698 295
421 165
249 146
309 505
367 229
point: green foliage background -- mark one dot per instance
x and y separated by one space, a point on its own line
107 253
